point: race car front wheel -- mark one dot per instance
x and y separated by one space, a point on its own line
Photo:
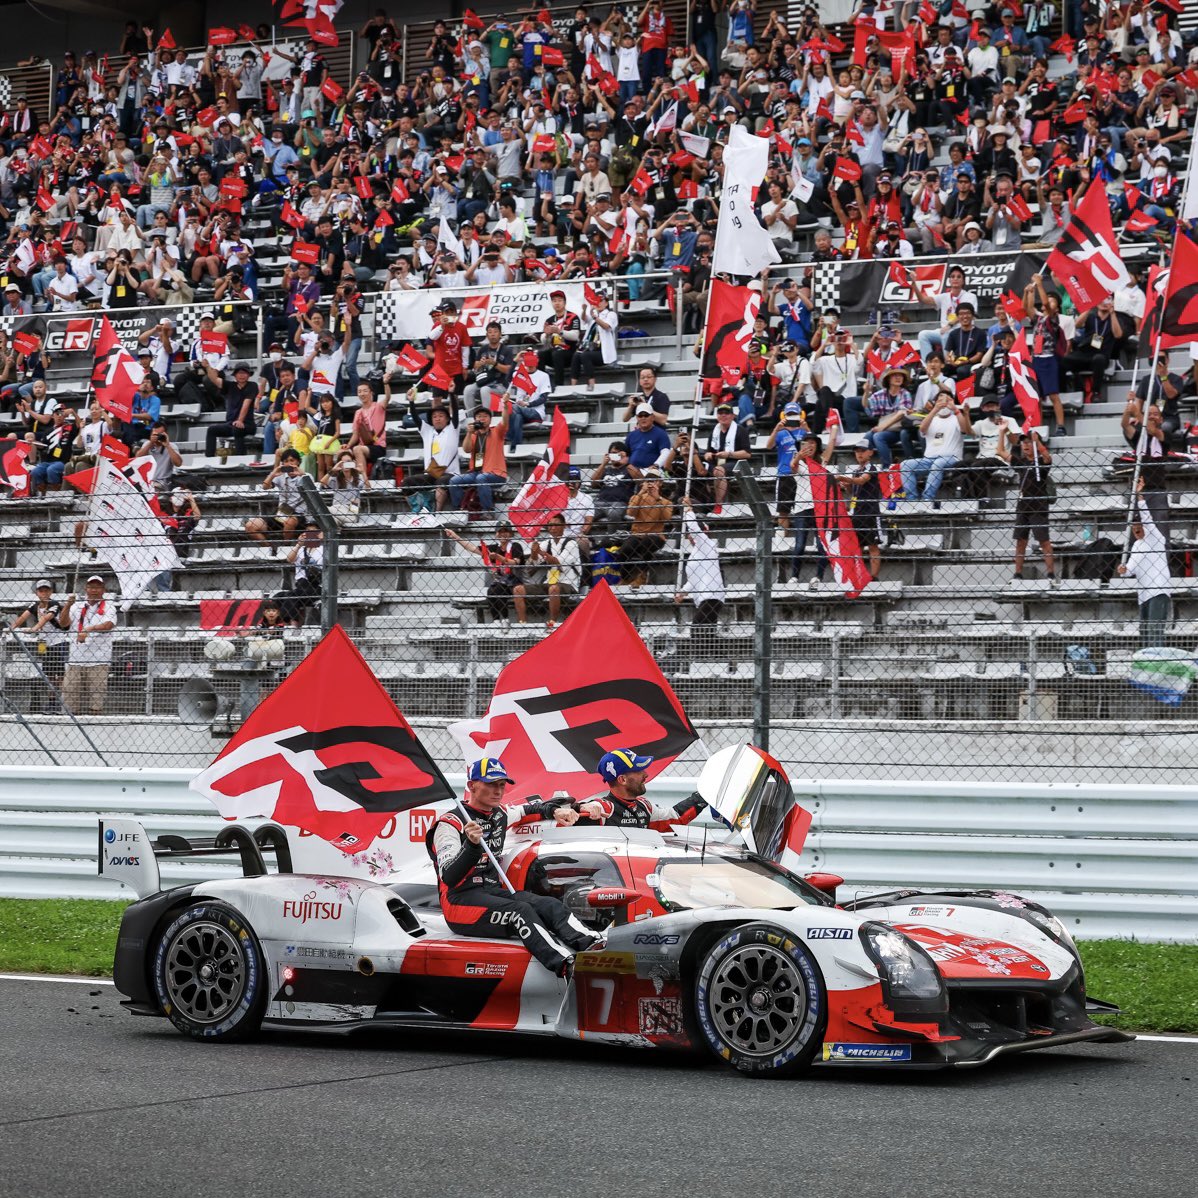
760 1001
209 976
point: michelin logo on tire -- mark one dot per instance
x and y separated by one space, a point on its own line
837 1051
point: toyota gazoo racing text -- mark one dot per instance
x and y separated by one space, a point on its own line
712 945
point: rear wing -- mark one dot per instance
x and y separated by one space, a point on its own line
127 855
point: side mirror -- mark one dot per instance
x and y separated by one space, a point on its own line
611 896
824 882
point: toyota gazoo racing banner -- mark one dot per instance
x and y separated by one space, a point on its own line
859 288
520 309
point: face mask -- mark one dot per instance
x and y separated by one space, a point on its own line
276 357
1160 171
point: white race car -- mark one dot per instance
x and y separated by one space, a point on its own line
711 944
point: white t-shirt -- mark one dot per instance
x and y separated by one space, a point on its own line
944 438
779 230
65 291
97 649
325 369
577 512
946 305
628 68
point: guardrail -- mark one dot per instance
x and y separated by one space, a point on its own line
1112 861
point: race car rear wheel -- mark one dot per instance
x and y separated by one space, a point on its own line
760 1001
209 975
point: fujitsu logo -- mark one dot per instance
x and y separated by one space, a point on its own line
308 908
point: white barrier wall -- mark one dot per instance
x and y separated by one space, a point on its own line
1114 861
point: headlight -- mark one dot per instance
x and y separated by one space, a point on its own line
911 982
1051 926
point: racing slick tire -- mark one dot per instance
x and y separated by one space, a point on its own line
209 975
760 1002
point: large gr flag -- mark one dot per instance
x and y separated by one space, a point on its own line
730 314
1179 317
588 687
327 752
1086 260
742 246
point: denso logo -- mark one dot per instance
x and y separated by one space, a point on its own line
308 908
829 933
654 938
420 819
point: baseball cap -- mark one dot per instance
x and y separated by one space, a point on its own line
43 582
489 769
448 306
652 472
209 315
886 331
644 409
724 407
95 578
621 761
573 472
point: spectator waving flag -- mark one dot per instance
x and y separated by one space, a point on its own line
116 374
742 246
544 494
307 759
589 687
1086 261
1023 381
14 473
125 530
730 315
834 527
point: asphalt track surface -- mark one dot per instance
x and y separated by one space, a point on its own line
96 1102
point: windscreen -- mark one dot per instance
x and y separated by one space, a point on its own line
718 882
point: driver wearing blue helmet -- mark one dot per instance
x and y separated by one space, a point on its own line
625 804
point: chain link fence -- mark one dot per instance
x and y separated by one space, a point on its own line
946 667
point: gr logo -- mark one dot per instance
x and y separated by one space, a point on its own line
70 337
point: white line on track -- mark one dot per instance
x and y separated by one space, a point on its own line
54 977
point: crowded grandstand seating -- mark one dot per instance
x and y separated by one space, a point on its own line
945 632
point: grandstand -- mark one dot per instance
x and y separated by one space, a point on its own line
930 671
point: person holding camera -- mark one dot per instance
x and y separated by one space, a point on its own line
240 395
560 335
491 366
122 282
616 482
292 507
166 458
944 430
308 559
487 468
202 378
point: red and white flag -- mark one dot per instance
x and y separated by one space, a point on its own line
126 531
1179 322
834 527
14 473
544 494
306 759
589 687
730 315
1023 381
666 123
116 373
1087 261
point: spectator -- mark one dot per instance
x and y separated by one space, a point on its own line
703 583
1148 564
1028 456
863 491
291 507
180 516
487 465
558 556
527 407
1095 345
579 512
240 396
560 335
41 617
988 428
891 406
345 483
616 481
727 447
53 451
368 441
965 344
491 366
162 452
201 380
286 395
648 443
88 625
1147 437
648 392
835 375
308 559
810 447
648 513
439 445
597 345
946 304
944 430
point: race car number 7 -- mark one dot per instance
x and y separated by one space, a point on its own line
607 989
